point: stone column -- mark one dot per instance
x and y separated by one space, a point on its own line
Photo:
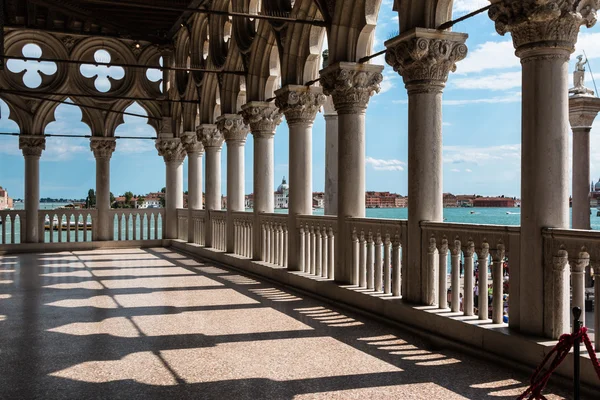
544 35
424 58
582 112
350 85
194 150
103 149
32 147
235 131
331 157
263 119
173 153
212 140
300 105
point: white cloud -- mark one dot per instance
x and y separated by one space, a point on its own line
468 170
446 124
455 170
466 6
385 165
489 55
504 81
588 42
481 155
510 98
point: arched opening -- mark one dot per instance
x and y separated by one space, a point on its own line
103 75
34 72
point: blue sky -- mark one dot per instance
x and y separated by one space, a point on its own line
482 108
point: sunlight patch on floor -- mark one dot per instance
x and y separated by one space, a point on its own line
94 301
118 326
160 283
135 272
413 391
88 285
144 367
72 274
184 298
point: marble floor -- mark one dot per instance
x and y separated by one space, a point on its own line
153 323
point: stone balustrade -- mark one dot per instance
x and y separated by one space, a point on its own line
218 221
12 226
274 238
199 227
243 226
138 224
317 244
67 225
577 252
459 244
376 253
182 224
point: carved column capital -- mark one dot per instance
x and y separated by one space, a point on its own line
171 149
560 261
262 117
583 111
351 85
103 147
210 136
469 249
233 128
190 143
32 145
483 251
425 57
543 23
579 264
299 103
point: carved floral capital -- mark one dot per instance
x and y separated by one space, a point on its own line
171 149
543 23
426 56
583 111
210 136
300 104
233 128
32 145
351 85
190 143
103 147
262 117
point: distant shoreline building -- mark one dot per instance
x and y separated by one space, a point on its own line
385 200
282 195
498 202
5 201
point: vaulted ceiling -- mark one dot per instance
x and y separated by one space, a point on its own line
156 21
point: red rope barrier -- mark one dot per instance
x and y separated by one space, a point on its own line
562 348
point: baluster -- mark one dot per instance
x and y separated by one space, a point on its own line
243 238
318 251
276 241
127 224
396 267
120 226
324 253
313 250
330 253
60 227
498 285
156 219
4 222
302 250
281 245
307 242
263 228
468 279
69 227
596 306
362 273
268 242
377 284
284 244
135 219
387 260
483 305
355 256
273 244
148 226
443 275
455 278
250 238
77 219
370 284
13 222
578 267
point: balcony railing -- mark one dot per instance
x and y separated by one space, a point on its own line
138 224
317 244
67 225
274 243
218 221
12 224
243 228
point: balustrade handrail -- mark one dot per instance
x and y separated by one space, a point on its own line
217 214
132 211
453 226
12 213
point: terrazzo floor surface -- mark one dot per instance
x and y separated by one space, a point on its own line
156 324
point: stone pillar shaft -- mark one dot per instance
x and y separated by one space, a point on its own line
171 149
263 119
32 147
581 178
350 85
194 150
235 131
300 105
103 149
424 58
331 158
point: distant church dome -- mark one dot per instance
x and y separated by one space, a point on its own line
283 188
597 186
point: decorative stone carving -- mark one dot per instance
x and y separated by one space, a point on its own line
210 136
262 117
583 111
299 103
32 146
69 42
351 85
543 23
469 249
484 251
170 149
103 147
191 143
426 56
233 128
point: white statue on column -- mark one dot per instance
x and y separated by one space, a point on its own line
579 79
